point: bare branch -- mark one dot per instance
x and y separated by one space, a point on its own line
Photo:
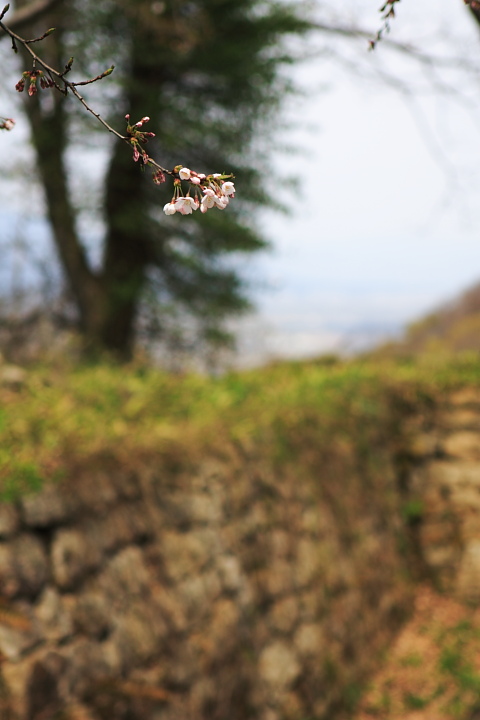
351 31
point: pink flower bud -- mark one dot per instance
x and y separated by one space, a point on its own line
7 124
158 177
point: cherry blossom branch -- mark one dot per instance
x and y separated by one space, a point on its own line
204 192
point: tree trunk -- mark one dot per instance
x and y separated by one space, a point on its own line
128 248
48 125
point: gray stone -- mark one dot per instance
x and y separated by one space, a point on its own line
200 508
463 444
315 520
9 581
466 498
92 614
135 638
197 593
15 677
48 507
465 396
278 665
308 561
425 444
284 614
53 618
9 520
17 634
462 419
12 376
277 579
309 640
78 711
185 554
449 475
96 491
30 563
88 663
122 525
125 576
468 579
230 573
223 626
73 556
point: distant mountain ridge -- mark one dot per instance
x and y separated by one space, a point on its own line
454 327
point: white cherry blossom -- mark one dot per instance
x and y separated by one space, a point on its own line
186 205
169 208
208 201
221 202
184 173
228 188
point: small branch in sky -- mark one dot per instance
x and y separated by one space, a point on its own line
388 12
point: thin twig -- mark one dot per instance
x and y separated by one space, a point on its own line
63 85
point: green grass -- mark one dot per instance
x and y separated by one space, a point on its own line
415 702
456 664
412 660
61 414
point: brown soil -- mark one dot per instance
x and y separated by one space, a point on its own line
432 670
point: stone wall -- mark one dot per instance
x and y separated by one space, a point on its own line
232 587
221 590
444 480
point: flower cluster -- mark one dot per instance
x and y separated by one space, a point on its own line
137 136
6 123
209 191
204 191
32 76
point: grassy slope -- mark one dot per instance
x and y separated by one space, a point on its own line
62 415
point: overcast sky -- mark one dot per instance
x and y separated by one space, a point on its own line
383 226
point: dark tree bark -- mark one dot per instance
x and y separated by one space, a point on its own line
30 12
106 301
128 247
48 124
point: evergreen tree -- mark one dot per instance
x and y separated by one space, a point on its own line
209 74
